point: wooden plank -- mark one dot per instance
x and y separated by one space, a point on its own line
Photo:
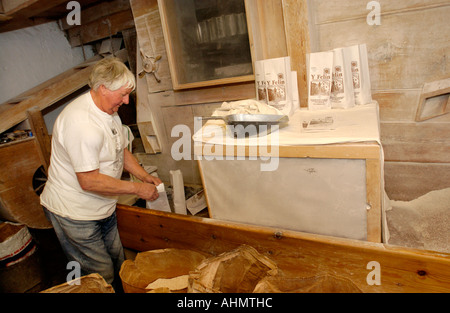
39 130
331 11
151 41
401 54
295 15
296 254
146 112
100 28
416 142
407 181
146 129
29 8
333 151
129 39
26 13
396 104
98 11
207 95
373 195
270 13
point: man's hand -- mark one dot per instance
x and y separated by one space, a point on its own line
147 191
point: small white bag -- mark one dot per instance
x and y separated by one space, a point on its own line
342 95
179 200
162 202
360 74
319 73
273 79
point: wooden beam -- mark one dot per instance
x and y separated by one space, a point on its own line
45 94
101 10
49 92
39 130
29 8
101 28
298 42
20 14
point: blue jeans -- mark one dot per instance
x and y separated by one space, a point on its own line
95 245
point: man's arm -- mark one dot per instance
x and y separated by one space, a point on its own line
103 184
132 166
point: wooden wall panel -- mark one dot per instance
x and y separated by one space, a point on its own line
332 11
407 50
401 54
298 42
416 142
406 181
151 41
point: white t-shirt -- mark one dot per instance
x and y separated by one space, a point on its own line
84 138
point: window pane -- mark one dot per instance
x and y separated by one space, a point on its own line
210 40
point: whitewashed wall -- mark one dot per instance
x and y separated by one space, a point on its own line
32 55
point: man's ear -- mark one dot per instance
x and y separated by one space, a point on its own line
102 89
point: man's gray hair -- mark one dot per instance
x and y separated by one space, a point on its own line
112 73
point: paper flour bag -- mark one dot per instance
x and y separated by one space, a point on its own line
162 202
319 71
179 200
273 82
342 95
360 74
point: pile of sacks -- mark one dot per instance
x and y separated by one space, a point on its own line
178 270
242 270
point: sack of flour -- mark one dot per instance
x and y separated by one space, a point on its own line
360 73
342 95
273 80
319 71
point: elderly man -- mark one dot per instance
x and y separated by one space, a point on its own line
84 178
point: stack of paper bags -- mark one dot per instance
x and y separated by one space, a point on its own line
338 78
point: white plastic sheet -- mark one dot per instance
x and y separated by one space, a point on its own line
321 196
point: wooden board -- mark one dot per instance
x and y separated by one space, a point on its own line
407 181
296 21
396 59
434 100
98 11
416 142
46 94
101 28
151 41
405 52
296 254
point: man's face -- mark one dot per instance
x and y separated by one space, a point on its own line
114 99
